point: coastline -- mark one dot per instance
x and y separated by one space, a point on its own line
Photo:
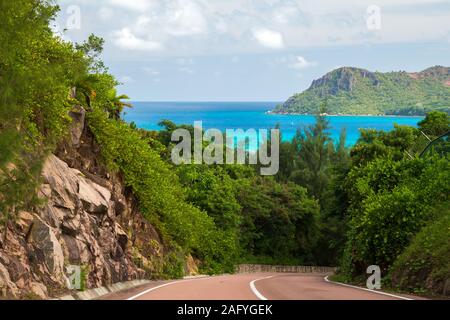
340 115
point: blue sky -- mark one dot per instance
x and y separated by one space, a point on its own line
254 50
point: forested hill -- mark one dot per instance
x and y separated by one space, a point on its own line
359 92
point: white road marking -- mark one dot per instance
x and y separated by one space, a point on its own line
153 289
373 291
165 285
255 291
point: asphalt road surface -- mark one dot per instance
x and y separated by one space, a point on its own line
258 286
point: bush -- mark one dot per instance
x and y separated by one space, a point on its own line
390 203
425 264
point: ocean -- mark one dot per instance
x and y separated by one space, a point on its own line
246 115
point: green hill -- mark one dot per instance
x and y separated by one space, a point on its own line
357 91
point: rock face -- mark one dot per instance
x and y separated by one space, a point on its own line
88 219
343 79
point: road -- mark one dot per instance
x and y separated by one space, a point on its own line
262 286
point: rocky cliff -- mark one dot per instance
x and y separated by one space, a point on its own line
87 219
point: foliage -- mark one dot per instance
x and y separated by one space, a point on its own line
313 161
161 197
357 91
425 264
390 202
379 203
436 123
37 70
279 220
393 144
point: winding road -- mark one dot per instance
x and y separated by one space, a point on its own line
255 286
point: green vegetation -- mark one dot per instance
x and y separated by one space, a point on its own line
203 211
435 124
396 205
36 72
357 91
264 219
425 263
377 203
380 203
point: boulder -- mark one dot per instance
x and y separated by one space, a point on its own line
95 198
44 239
78 115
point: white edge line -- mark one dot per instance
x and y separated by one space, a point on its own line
165 285
255 291
152 289
373 291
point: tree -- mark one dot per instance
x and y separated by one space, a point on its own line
92 48
436 123
314 150
279 221
37 70
116 105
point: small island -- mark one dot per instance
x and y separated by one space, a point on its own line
350 91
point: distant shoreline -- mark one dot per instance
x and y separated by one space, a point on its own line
340 115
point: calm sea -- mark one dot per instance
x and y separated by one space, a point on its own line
246 115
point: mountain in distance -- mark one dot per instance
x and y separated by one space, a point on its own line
356 91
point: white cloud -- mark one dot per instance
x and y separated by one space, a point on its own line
285 15
269 38
302 63
235 27
125 39
134 5
184 17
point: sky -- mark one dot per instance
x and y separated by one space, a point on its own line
253 50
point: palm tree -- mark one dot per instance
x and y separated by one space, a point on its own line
116 103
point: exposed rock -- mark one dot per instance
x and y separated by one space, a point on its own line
39 290
191 266
122 237
78 114
342 79
95 198
45 239
7 287
88 219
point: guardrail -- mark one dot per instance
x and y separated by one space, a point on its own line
253 268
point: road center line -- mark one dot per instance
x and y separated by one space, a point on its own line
373 291
255 291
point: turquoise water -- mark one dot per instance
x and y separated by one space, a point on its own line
246 115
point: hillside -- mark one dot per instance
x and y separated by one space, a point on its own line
357 91
88 199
